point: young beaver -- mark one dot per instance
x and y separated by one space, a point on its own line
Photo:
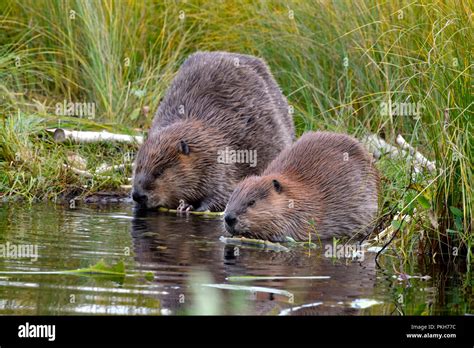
218 102
324 184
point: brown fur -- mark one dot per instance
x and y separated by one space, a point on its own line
218 100
309 188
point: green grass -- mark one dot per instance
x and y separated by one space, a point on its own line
336 61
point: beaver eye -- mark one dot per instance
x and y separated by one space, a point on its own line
158 172
251 203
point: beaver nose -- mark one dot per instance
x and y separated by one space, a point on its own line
230 220
139 197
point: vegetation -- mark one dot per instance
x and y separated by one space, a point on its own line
338 62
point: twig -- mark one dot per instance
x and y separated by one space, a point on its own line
380 147
80 172
254 242
87 174
419 158
105 168
212 213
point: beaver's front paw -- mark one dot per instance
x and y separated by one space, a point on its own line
183 206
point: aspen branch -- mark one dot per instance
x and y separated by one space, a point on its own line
419 158
61 135
380 147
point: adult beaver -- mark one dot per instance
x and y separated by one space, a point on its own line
221 112
325 184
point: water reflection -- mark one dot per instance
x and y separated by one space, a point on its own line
190 270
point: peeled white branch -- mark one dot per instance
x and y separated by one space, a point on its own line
419 158
87 174
379 147
105 168
61 135
79 171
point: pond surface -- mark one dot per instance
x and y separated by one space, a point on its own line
177 265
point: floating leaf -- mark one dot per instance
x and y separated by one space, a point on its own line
100 268
149 276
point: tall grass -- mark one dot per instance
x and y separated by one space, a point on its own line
336 61
112 53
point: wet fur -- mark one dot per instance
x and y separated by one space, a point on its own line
316 184
223 104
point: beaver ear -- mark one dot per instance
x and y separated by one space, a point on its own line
183 147
277 185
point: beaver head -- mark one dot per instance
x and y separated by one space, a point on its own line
174 163
264 207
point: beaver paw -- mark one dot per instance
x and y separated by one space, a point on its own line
183 206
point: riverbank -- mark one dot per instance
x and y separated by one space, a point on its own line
386 69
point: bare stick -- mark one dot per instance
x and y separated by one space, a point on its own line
419 158
211 213
379 147
87 174
104 168
254 242
61 135
80 172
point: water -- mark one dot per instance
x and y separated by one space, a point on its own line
177 265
